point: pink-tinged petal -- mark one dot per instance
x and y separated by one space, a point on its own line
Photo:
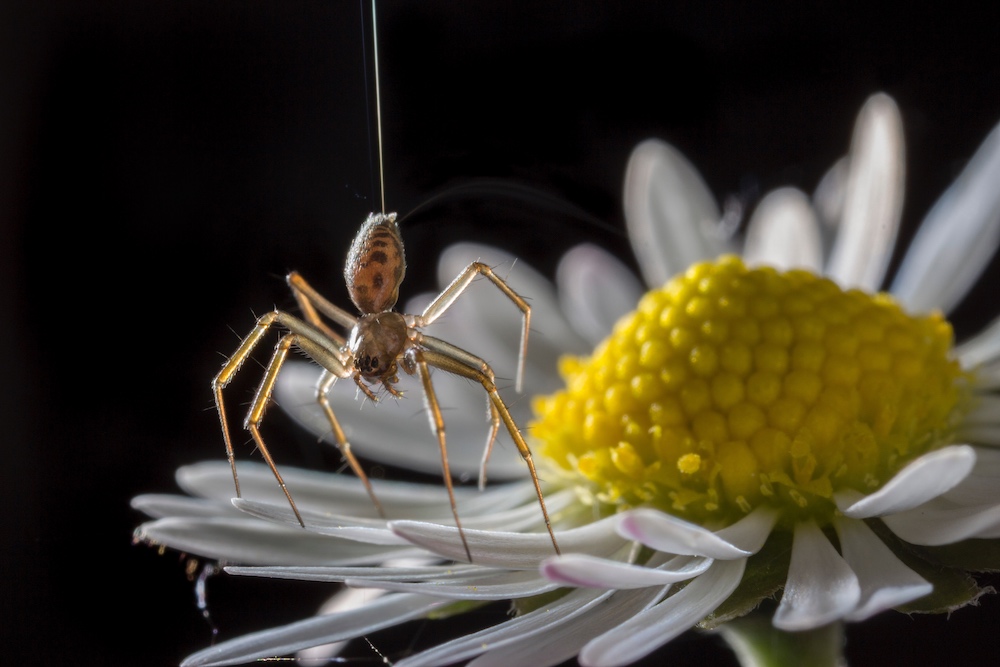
885 581
873 199
585 571
508 549
655 626
595 289
669 212
380 613
784 233
668 533
958 237
925 478
566 610
750 532
942 522
821 587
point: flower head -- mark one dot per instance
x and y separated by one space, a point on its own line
749 425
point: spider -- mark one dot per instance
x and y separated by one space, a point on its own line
381 342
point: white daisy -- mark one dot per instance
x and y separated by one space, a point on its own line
754 426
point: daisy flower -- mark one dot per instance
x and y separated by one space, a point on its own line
761 424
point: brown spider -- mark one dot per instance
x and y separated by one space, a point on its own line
381 341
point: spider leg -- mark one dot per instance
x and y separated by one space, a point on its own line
457 364
471 360
310 301
415 358
326 381
443 301
303 335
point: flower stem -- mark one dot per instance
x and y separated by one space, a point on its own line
757 643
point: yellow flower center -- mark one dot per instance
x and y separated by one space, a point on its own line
733 387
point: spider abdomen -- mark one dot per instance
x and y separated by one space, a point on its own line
375 264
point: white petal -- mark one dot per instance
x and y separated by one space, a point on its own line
450 572
885 581
395 430
828 198
668 533
369 531
490 324
342 601
873 199
380 613
983 348
923 479
541 621
942 522
750 532
581 570
784 233
322 492
162 505
669 212
985 410
657 625
988 376
595 289
486 586
255 542
564 641
511 550
820 587
982 486
957 238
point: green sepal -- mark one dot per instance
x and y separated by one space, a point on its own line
954 588
764 576
524 605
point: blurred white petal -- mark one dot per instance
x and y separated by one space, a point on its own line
982 348
821 587
750 532
669 212
957 238
784 233
873 198
595 289
942 522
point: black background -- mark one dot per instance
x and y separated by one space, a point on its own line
164 164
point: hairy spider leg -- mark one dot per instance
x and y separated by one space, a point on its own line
414 360
443 301
315 344
450 363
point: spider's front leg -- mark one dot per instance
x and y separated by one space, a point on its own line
302 335
443 301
